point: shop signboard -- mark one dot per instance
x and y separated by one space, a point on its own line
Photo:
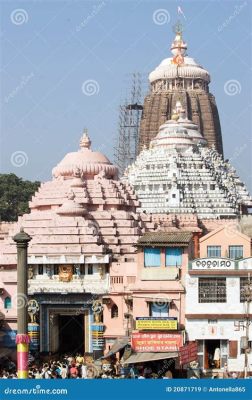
188 353
245 263
156 342
213 264
156 323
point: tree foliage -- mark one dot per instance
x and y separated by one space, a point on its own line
15 194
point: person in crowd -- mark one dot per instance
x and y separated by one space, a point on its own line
217 357
64 371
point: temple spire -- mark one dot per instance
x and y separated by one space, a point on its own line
85 141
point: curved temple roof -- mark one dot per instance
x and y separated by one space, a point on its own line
179 65
179 174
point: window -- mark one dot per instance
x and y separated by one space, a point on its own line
173 256
41 269
224 347
116 279
7 303
244 282
201 353
90 269
174 196
159 309
77 270
213 251
212 290
56 270
235 252
114 311
152 257
131 279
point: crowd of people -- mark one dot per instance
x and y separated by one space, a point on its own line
81 367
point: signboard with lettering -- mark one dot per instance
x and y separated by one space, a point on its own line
156 323
245 263
156 342
213 264
188 353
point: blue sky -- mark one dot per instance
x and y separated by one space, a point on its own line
51 48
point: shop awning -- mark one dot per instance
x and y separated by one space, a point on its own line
144 357
165 239
117 346
158 300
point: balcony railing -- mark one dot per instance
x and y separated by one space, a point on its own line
122 280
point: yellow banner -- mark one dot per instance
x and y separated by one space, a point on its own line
156 324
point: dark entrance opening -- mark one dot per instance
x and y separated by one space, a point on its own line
212 352
71 334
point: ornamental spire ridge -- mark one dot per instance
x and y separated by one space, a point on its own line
178 47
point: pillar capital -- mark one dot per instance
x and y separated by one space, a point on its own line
22 238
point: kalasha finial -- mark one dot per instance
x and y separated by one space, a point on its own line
85 141
178 28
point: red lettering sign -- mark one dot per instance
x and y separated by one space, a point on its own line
156 342
188 353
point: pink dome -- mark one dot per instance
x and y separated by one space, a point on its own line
85 162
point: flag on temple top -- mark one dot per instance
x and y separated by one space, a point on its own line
180 11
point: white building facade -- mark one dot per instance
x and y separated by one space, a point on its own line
217 313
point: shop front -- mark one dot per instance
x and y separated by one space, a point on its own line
212 353
155 352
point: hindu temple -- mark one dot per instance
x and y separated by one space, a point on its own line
180 78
